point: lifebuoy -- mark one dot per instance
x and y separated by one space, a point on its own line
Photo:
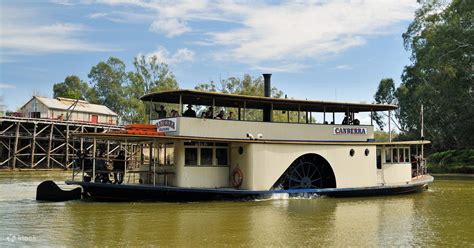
237 177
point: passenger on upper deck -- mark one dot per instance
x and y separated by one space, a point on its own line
209 113
220 116
347 120
231 116
174 113
161 112
189 112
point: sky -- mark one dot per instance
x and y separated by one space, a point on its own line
318 50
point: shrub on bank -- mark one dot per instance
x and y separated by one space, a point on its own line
452 161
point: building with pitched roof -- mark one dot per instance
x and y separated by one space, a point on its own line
68 109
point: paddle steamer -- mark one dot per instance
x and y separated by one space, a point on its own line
262 153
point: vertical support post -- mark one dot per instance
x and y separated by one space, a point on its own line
180 105
310 117
333 117
50 146
288 116
149 111
271 112
422 139
94 151
245 110
371 118
82 140
324 115
239 114
299 112
389 126
108 151
150 161
213 107
154 161
33 146
67 146
15 145
125 162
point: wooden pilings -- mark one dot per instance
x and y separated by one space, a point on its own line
30 143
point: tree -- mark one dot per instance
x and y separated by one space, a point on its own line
73 87
150 75
109 79
440 77
386 94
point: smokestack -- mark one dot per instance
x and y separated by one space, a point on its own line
268 84
267 112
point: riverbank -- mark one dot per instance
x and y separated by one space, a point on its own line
452 162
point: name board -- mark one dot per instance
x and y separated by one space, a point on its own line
166 125
350 131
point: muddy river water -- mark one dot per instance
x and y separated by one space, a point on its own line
441 216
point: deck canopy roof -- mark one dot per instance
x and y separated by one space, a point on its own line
194 97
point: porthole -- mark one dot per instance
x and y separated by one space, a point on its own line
352 152
241 150
367 152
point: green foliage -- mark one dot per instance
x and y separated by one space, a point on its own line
149 76
452 161
109 79
440 77
73 87
452 156
384 136
385 95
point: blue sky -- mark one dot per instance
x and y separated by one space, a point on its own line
320 50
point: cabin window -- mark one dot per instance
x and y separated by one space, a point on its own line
395 155
191 156
407 155
169 154
206 154
222 156
388 155
379 158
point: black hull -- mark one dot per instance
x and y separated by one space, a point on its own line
125 193
112 192
378 191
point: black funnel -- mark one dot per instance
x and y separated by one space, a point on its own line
267 113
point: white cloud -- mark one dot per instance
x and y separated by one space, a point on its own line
291 67
97 15
264 31
22 34
7 86
169 27
163 55
344 67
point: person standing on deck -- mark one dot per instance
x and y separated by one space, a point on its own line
189 112
119 167
161 112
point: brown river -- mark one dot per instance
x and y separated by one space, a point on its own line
440 216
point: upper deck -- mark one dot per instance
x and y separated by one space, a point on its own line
270 131
262 117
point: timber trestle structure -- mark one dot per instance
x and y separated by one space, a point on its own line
34 143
